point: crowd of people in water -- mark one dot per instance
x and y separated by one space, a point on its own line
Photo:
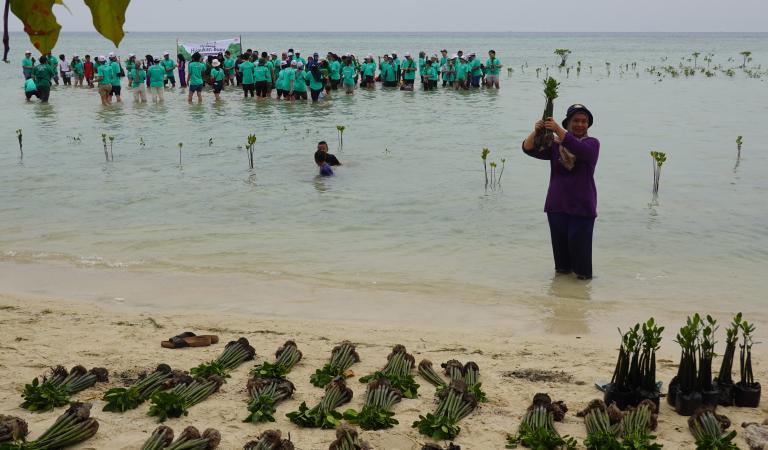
291 76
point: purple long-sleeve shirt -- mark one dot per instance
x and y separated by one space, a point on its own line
572 191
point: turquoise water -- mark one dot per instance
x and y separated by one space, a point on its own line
409 209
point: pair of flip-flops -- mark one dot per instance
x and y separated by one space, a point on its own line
189 339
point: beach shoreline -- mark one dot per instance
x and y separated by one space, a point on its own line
42 330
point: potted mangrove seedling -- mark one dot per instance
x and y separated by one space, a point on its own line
724 380
709 393
634 378
687 398
544 138
746 392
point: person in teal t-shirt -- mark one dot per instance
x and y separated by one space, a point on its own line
300 82
138 77
217 76
114 63
348 73
27 65
156 74
409 70
79 69
246 69
493 66
229 68
169 64
195 71
30 88
42 75
477 71
54 63
334 71
369 72
261 78
104 77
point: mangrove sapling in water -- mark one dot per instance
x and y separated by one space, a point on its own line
191 439
324 414
20 137
186 393
74 426
454 403
340 129
563 53
398 371
747 391
104 142
265 394
180 145
544 138
724 380
747 57
709 393
12 428
537 431
249 147
111 143
270 440
53 391
342 358
160 438
739 142
376 414
484 156
122 399
347 438
695 58
659 158
287 356
235 353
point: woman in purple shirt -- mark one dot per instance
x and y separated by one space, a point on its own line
571 204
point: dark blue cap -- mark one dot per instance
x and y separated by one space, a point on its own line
575 109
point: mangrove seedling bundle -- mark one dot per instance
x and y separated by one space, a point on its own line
235 353
634 377
398 371
53 391
324 414
724 379
270 440
191 439
558 408
287 356
537 431
74 426
636 429
427 371
747 391
186 393
601 434
122 399
432 446
12 428
159 439
342 358
709 430
454 403
347 438
376 414
469 373
542 142
265 394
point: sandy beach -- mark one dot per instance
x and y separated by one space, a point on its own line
528 354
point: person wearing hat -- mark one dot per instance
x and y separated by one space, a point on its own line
369 72
117 74
408 67
78 69
493 67
104 78
349 75
461 68
27 64
571 203
168 64
299 86
387 69
217 76
476 70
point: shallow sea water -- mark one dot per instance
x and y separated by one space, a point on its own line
408 211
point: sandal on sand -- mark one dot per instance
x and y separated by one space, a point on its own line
189 339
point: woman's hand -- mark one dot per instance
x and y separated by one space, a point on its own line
538 125
553 126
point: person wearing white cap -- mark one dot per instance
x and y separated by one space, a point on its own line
387 72
461 68
369 72
104 78
299 86
27 64
78 69
168 64
117 74
409 70
217 77
349 75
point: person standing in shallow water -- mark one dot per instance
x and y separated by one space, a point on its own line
571 204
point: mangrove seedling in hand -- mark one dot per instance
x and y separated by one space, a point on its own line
122 399
340 129
659 158
709 433
563 53
186 393
265 394
270 440
376 414
324 414
398 371
454 403
235 353
73 427
54 390
20 137
747 391
544 138
191 439
287 356
347 438
160 438
249 148
537 431
342 358
12 428
724 380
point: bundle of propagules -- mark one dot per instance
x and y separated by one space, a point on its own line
324 414
342 358
348 439
234 354
709 428
398 372
122 399
268 385
72 427
54 390
12 428
270 440
377 413
537 431
454 403
189 439
186 392
469 373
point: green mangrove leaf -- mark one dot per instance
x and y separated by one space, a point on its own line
109 17
39 22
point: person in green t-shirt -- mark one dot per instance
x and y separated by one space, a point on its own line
217 76
195 71
261 77
54 63
368 72
229 68
283 83
27 64
300 82
156 74
334 70
78 69
477 70
42 74
104 77
246 69
117 74
169 64
387 68
316 81
461 68
493 66
348 73
431 74
138 77
30 88
409 70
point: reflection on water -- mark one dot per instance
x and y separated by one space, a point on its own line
45 114
570 303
